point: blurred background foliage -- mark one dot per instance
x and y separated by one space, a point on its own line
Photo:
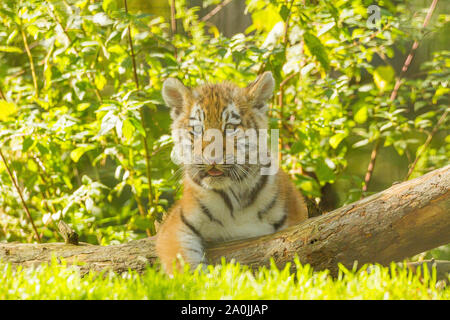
85 134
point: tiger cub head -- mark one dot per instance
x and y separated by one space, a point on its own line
212 121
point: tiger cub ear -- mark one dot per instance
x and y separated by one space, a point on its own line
175 94
261 90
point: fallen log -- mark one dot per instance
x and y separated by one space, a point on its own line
404 220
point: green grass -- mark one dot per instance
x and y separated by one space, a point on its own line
226 281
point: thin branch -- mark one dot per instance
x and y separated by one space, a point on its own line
398 83
30 58
130 40
2 95
281 96
393 96
144 137
412 51
281 89
24 204
373 157
372 36
45 197
214 11
25 207
142 212
286 25
173 22
46 194
427 142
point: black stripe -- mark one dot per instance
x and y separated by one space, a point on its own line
234 115
278 224
234 195
199 113
189 225
252 120
254 126
197 180
208 213
257 189
228 116
267 165
226 199
267 207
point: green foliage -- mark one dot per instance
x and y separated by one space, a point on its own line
226 281
90 145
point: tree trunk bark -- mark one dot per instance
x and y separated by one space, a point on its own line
404 220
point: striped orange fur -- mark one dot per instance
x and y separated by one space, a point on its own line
224 202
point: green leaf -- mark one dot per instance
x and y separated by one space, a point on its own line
336 139
100 81
365 88
360 143
119 125
102 19
325 28
89 203
128 129
383 77
42 149
138 125
86 180
67 181
265 20
108 122
141 223
109 5
6 109
310 187
361 115
323 171
83 106
306 69
440 92
297 147
10 49
419 105
27 143
284 12
76 154
48 76
317 49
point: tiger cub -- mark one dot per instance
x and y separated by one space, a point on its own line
223 201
